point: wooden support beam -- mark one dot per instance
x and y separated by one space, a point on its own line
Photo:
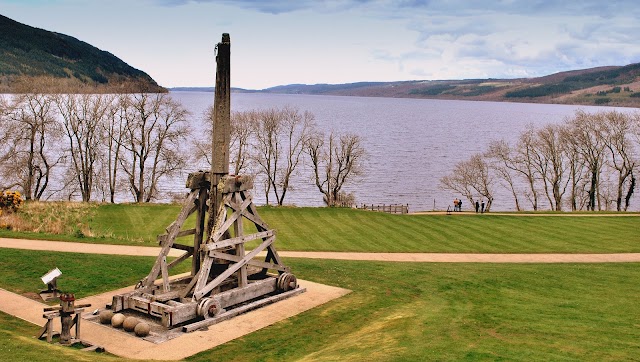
252 262
199 234
184 213
221 128
238 240
231 184
219 232
165 274
252 214
201 281
164 297
238 229
251 291
183 247
174 315
201 291
179 260
198 180
245 308
146 306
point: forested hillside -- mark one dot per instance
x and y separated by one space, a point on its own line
614 85
61 61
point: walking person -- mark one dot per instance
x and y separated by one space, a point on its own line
482 207
477 207
459 205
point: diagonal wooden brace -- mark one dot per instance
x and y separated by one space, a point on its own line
201 292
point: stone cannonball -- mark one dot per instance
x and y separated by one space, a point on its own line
105 316
130 323
117 320
142 329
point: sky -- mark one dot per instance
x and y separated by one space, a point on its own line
331 41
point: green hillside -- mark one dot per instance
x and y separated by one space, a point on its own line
27 52
613 85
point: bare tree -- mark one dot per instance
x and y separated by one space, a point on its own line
114 133
524 159
243 128
550 163
31 156
83 116
585 136
280 139
501 153
335 162
617 133
155 126
576 169
471 178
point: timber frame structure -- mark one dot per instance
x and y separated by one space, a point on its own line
226 279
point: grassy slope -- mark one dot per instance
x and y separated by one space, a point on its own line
333 229
321 229
412 312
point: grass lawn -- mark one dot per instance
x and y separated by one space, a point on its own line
400 312
335 229
82 274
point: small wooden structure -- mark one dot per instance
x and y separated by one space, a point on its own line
69 315
226 278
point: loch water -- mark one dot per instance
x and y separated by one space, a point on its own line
410 143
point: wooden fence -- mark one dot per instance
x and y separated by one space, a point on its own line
391 209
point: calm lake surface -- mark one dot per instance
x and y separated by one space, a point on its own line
411 143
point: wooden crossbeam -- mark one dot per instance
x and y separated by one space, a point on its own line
202 291
238 240
252 262
163 237
180 259
227 224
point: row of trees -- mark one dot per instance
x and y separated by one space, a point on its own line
98 143
113 143
589 162
273 143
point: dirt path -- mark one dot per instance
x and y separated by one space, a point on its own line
397 257
568 214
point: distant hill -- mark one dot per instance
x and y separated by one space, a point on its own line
28 53
614 85
208 89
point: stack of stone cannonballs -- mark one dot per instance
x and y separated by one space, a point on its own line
129 324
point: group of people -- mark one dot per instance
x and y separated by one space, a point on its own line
457 206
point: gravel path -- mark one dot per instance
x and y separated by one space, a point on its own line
397 257
567 214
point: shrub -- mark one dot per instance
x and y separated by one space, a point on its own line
10 201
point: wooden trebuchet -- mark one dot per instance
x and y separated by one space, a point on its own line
229 275
226 279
